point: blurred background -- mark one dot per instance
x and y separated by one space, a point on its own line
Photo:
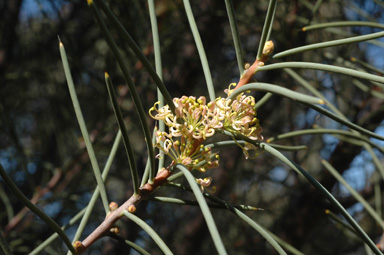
42 150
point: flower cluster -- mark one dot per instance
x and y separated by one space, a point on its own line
194 121
240 116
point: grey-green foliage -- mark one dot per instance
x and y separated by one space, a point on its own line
198 49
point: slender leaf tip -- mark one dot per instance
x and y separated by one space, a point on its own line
321 101
353 59
327 211
90 2
304 29
106 75
60 43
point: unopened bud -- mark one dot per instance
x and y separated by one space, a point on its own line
79 247
132 209
113 206
268 49
115 230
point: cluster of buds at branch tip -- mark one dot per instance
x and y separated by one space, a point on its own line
195 120
251 70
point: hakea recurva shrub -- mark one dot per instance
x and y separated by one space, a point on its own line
195 120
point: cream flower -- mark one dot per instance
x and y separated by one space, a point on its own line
194 121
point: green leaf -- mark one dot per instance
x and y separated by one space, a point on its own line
204 209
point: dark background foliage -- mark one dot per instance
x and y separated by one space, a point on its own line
42 150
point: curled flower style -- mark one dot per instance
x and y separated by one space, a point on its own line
205 183
195 120
240 116
190 153
198 119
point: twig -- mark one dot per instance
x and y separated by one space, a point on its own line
267 51
130 205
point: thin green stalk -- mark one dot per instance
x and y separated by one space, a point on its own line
263 100
156 40
130 244
292 250
139 54
136 247
362 12
316 7
355 135
266 28
353 192
145 176
4 247
313 181
368 66
158 66
289 147
204 209
341 222
324 131
178 201
259 86
340 32
366 89
271 26
36 210
132 88
54 236
92 201
200 49
223 144
235 35
322 67
248 220
344 122
378 164
306 85
175 176
150 232
311 89
261 230
339 42
307 4
343 24
325 192
367 250
378 197
124 132
83 127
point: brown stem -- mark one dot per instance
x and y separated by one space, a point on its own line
267 52
249 73
104 228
